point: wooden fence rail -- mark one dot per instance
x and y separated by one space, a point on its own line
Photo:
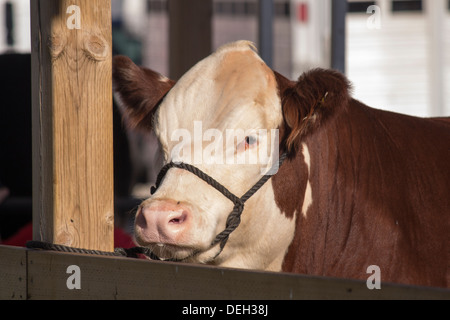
34 274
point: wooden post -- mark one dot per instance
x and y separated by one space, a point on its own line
72 123
190 34
339 10
265 26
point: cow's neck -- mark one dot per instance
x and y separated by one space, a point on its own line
307 187
333 233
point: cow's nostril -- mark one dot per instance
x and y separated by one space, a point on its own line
178 220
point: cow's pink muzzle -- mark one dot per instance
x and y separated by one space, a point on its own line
162 222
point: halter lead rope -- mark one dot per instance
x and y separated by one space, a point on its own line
234 218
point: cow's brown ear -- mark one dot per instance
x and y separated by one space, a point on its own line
138 91
308 102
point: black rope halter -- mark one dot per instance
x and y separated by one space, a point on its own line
234 218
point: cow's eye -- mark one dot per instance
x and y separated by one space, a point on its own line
250 140
248 143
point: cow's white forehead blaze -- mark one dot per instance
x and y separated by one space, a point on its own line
230 89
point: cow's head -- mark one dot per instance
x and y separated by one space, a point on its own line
223 117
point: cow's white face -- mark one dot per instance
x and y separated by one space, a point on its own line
224 109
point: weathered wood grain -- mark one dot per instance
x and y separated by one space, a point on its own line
72 123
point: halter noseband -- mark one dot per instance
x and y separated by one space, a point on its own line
234 218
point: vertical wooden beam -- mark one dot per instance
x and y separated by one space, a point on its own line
265 22
190 34
72 123
339 10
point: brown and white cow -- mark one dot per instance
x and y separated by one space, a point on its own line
360 186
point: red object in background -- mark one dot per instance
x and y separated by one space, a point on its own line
303 12
121 239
